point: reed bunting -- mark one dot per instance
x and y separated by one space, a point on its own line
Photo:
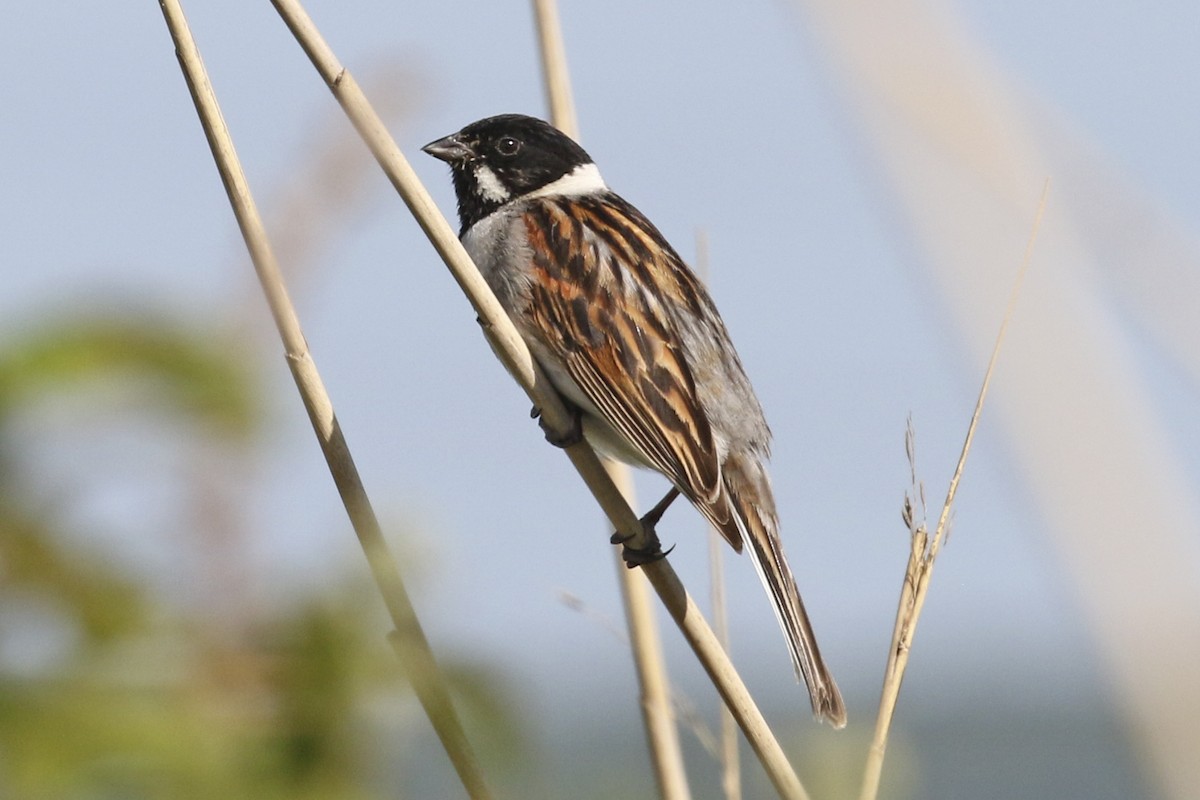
631 339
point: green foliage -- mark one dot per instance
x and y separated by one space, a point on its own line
197 375
141 696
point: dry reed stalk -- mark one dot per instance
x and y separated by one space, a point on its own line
512 351
554 68
925 551
408 638
658 717
726 745
725 678
662 736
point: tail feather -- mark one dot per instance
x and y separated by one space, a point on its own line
751 518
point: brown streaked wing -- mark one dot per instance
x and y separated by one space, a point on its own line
592 305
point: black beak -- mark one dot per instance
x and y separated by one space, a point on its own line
451 149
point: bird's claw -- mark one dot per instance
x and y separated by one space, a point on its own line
563 439
640 556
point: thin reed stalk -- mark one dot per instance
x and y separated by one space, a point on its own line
924 550
557 79
658 715
409 639
515 355
726 746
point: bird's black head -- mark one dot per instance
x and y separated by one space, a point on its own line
500 159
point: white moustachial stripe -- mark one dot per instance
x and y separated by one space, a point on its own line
490 187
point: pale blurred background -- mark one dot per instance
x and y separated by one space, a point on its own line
183 608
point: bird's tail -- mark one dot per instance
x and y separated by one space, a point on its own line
749 496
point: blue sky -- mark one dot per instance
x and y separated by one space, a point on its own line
726 117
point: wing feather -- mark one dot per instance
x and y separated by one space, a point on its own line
602 302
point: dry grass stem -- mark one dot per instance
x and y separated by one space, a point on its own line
409 639
924 550
515 355
658 718
725 678
726 750
554 68
662 736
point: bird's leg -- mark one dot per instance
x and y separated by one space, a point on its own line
651 518
636 557
573 434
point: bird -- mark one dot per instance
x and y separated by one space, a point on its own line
631 339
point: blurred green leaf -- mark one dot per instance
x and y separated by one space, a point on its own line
153 699
197 373
106 603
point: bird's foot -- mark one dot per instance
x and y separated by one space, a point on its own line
572 436
652 551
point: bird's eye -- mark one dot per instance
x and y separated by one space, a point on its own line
507 146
